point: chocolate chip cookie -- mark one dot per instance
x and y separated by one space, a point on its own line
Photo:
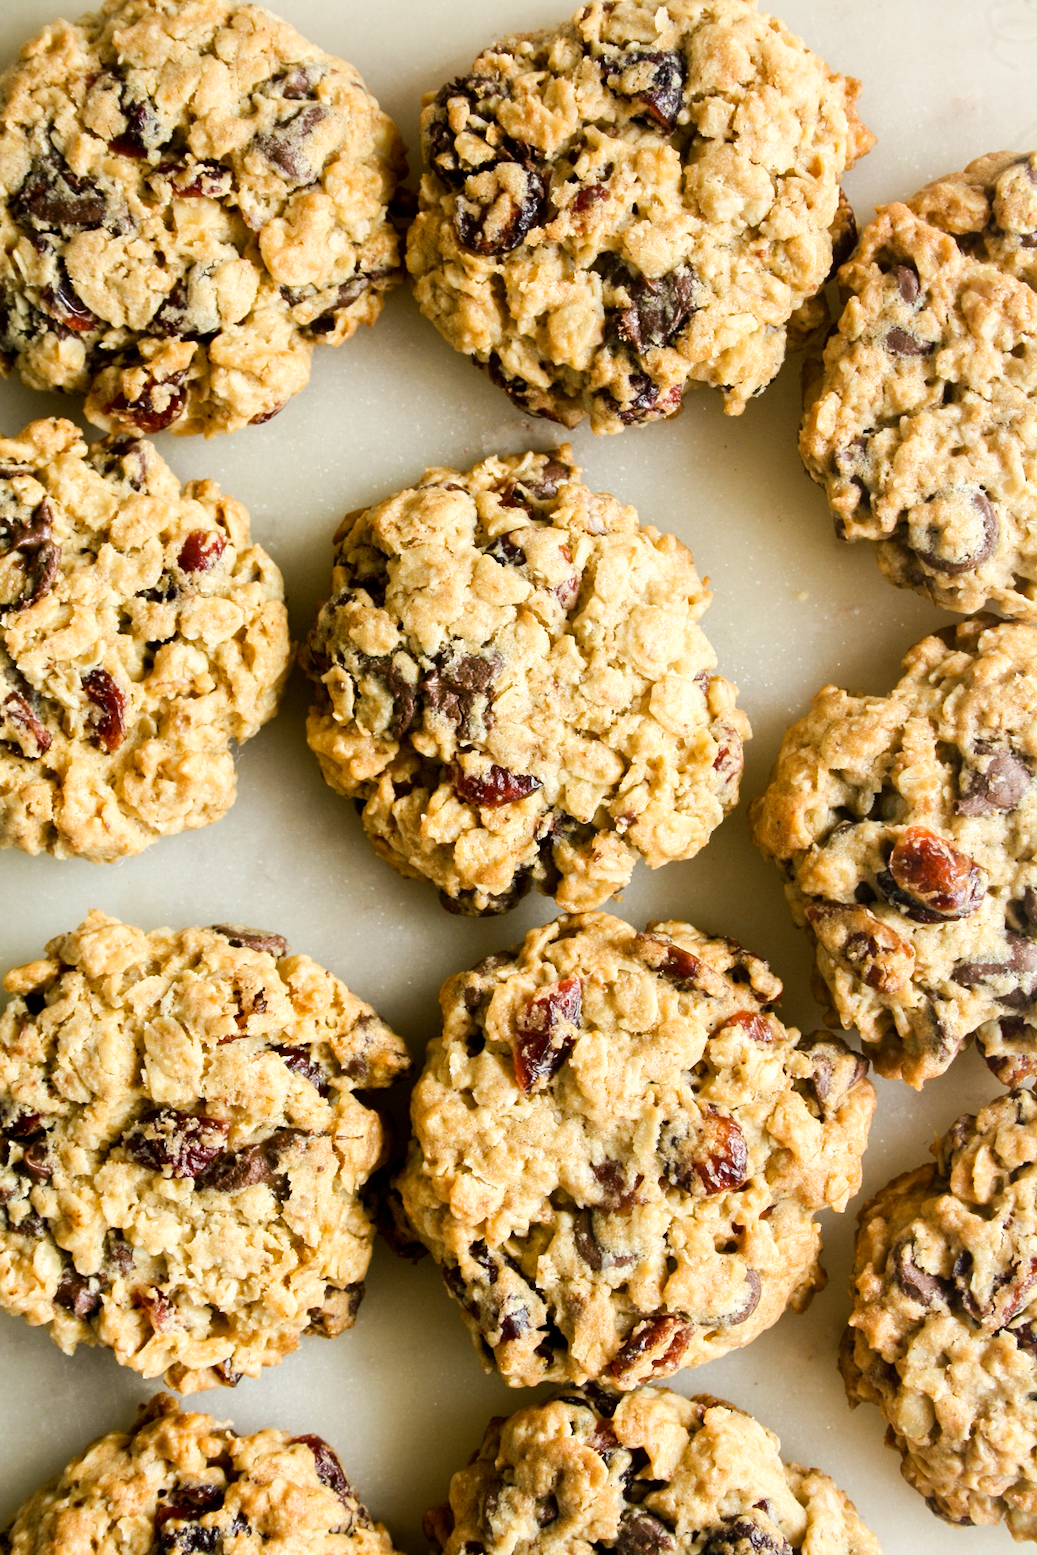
943 1336
191 196
651 1473
634 201
619 1151
182 1150
142 634
904 827
178 1483
512 683
923 426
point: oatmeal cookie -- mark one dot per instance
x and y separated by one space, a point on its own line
141 635
638 199
191 196
904 825
619 1151
512 682
644 1474
943 1335
923 431
182 1482
182 1150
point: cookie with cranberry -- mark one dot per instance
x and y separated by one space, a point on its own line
513 685
902 824
923 428
619 1151
943 1334
191 197
650 1472
635 201
183 1482
142 636
182 1150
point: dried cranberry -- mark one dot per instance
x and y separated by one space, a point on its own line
545 1032
617 1191
677 965
67 309
158 1306
144 130
754 1025
660 1340
493 788
658 309
107 725
18 710
654 80
201 550
187 1504
159 403
590 196
706 1154
199 180
179 1142
329 1470
929 879
511 202
301 1061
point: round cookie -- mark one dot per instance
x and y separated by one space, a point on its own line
141 635
923 425
512 683
191 196
182 1150
618 1151
634 201
904 825
943 1334
649 1472
184 1482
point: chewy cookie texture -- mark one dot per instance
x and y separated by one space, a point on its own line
141 635
650 1473
191 196
618 1151
637 200
904 826
182 1150
943 1334
923 426
179 1483
512 683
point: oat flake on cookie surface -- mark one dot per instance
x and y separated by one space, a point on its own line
619 1151
180 1482
512 682
906 827
943 1334
182 1152
923 425
142 634
650 1473
191 196
634 201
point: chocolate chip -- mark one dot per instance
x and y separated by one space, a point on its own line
900 343
642 1533
933 531
929 879
262 940
617 1191
286 144
645 400
925 1288
36 1162
908 284
745 1534
545 1032
78 1295
652 79
251 1166
38 552
749 1302
1000 785
178 1142
53 198
835 1071
106 721
658 309
587 1244
460 687
392 672
500 206
185 1505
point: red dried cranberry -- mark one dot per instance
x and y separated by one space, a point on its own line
652 78
329 1470
661 1339
175 1141
546 1031
929 879
201 550
493 788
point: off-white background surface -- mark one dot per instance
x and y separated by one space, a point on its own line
402 1397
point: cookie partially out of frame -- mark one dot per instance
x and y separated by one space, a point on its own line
646 1474
191 197
142 635
184 1482
943 1335
512 683
904 827
619 1151
632 202
923 430
182 1150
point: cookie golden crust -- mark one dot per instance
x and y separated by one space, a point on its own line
182 1152
635 201
618 1151
191 196
649 1472
923 430
943 1335
512 682
904 825
180 1482
142 635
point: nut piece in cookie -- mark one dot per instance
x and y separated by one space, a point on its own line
637 200
903 825
186 1482
182 1150
619 1151
923 424
943 1334
189 201
645 1474
513 686
142 636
